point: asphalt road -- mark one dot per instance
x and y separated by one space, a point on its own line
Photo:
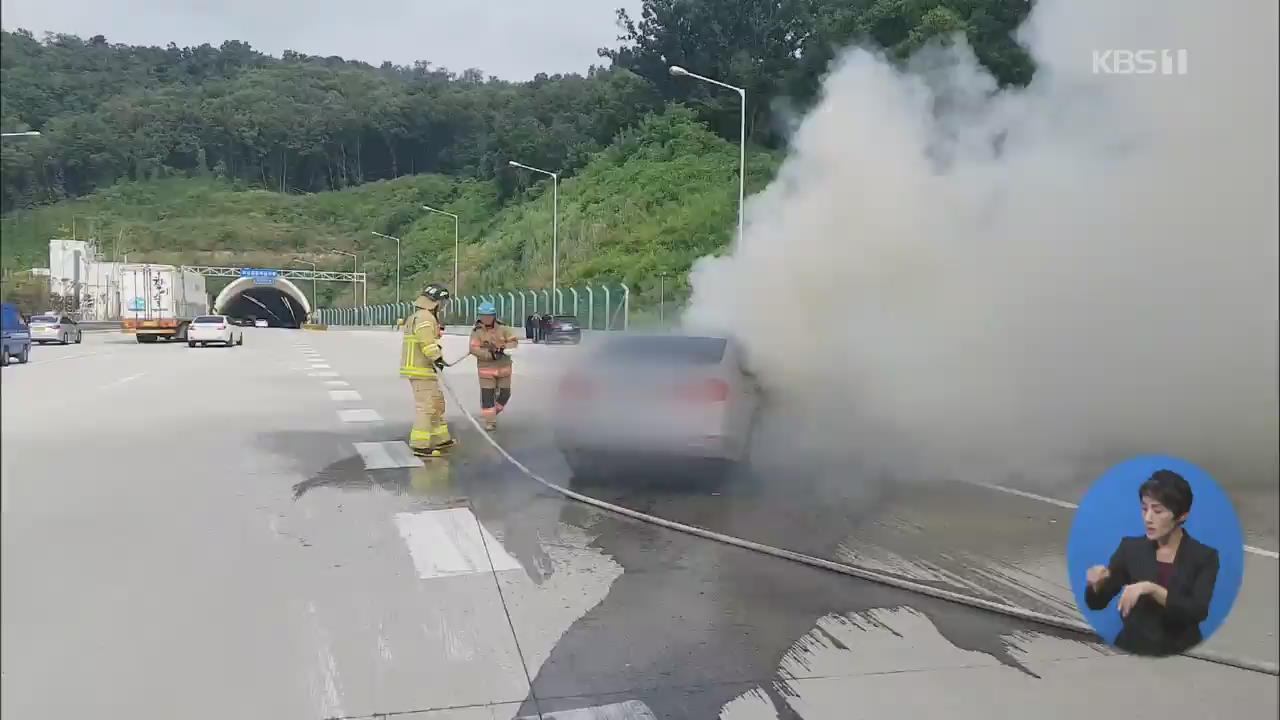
198 534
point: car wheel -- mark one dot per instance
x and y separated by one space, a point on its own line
65 339
191 343
25 356
79 337
4 358
241 340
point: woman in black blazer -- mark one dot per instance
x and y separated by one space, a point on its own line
1165 578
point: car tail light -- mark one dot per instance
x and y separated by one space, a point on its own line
712 390
222 327
55 327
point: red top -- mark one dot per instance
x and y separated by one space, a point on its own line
1164 570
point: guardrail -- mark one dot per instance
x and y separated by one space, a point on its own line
605 307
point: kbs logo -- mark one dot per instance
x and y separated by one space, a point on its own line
1139 62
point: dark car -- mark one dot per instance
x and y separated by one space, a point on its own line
17 335
561 329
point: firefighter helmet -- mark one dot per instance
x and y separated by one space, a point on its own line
486 308
436 292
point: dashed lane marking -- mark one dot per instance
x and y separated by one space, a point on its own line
344 395
629 710
322 373
451 542
337 383
122 381
362 415
386 455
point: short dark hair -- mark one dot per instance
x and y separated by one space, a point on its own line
1169 489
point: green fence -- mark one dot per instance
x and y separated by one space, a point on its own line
597 307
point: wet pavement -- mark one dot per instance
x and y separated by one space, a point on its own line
192 533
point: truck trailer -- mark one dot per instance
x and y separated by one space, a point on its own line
160 301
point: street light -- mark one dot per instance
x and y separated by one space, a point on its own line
390 237
662 294
27 133
678 71
455 242
354 270
555 220
313 281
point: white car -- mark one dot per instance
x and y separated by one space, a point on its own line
635 400
219 329
52 327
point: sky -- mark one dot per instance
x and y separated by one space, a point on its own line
513 39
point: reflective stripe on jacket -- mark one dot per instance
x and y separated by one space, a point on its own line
421 345
499 336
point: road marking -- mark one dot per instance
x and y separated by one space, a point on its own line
122 381
1072 506
629 710
362 415
1022 493
322 373
320 366
343 395
64 357
451 542
386 455
331 699
337 383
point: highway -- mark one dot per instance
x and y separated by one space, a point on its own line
238 532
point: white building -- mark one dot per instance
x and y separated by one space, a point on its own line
76 270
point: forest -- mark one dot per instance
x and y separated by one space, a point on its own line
302 124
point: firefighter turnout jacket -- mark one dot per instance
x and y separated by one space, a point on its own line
482 339
421 345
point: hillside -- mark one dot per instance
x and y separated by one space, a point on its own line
657 198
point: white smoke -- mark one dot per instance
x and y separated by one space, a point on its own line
949 279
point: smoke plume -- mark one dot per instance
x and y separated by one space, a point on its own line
951 279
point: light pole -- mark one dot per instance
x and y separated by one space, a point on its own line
678 71
27 133
662 294
555 221
455 242
355 268
390 237
313 281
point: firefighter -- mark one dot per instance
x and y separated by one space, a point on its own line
490 343
421 361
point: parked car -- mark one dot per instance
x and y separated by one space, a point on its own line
637 399
52 327
15 335
260 323
561 329
207 329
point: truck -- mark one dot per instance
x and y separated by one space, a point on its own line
160 301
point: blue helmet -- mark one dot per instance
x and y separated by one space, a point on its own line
486 308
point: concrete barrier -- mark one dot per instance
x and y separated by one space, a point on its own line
93 326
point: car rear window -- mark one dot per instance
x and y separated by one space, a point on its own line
209 320
677 349
44 319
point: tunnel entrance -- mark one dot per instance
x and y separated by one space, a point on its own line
280 304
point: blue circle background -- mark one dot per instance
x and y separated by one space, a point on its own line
1111 510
